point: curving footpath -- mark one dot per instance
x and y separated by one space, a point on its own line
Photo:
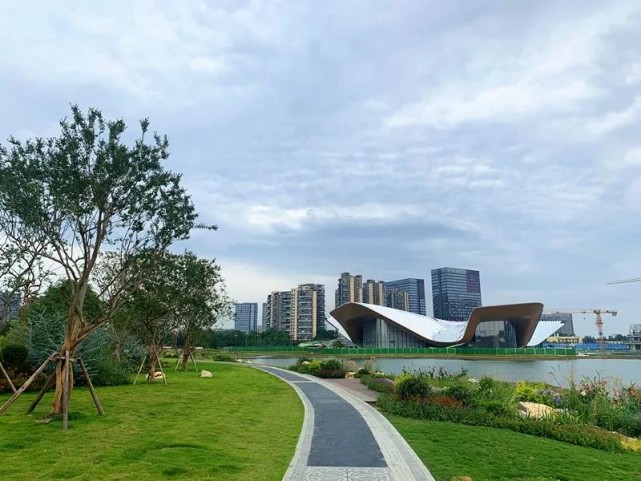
343 438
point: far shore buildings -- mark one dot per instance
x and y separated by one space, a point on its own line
397 299
264 313
9 306
415 289
299 311
404 294
246 316
374 292
634 337
455 293
567 330
504 326
350 289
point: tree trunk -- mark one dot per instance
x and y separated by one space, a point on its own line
152 360
64 373
186 355
64 381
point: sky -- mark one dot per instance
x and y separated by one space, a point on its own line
383 138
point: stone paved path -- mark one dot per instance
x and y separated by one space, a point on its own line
345 439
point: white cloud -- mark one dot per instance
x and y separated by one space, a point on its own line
509 148
616 120
502 104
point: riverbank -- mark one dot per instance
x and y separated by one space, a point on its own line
325 354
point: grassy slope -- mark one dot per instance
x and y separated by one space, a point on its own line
487 454
241 424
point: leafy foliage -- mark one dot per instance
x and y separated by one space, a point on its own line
181 292
65 198
329 368
378 384
412 386
218 338
15 357
592 408
575 434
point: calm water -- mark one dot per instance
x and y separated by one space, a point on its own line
554 372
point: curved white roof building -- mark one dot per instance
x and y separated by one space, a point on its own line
511 325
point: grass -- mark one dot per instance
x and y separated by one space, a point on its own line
242 424
487 454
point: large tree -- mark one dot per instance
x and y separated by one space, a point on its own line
180 292
21 272
203 300
67 198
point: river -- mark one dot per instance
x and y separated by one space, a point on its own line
556 372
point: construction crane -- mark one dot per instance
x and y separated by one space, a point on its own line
636 279
598 321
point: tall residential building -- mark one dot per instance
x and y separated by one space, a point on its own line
264 315
455 293
9 306
299 311
397 299
279 311
350 289
565 317
415 289
374 292
246 316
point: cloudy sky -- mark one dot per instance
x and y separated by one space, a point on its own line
384 138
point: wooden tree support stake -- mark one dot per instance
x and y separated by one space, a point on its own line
94 395
6 376
193 360
164 378
142 364
66 375
27 383
42 392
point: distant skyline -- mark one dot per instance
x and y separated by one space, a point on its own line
385 138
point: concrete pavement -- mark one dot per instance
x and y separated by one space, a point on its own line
344 438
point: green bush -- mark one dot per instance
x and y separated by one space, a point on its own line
580 435
223 356
15 357
331 368
462 393
378 384
412 386
46 334
530 392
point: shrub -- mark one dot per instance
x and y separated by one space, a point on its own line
15 357
462 393
496 408
412 386
330 368
378 384
580 435
530 392
491 390
331 364
223 356
46 334
445 401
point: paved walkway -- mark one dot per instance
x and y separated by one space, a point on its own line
345 439
355 387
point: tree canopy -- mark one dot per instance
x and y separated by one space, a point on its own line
66 199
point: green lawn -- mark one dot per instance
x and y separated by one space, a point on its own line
242 424
488 454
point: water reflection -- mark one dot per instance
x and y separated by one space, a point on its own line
550 371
